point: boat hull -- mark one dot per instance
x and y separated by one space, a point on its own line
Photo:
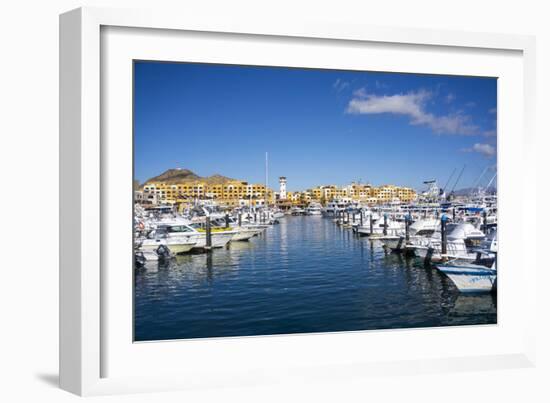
174 246
245 234
470 279
219 240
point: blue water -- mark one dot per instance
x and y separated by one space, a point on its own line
304 275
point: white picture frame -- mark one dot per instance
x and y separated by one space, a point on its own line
85 343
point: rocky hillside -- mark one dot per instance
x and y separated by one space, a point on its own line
179 175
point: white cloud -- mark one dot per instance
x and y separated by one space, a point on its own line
450 97
486 150
340 85
489 133
412 105
493 110
360 93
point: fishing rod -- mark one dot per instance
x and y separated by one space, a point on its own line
478 179
491 181
458 178
448 180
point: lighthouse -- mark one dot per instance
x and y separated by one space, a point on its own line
282 188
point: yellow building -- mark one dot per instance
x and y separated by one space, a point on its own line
363 192
234 193
229 192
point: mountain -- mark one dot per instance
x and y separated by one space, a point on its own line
468 191
179 175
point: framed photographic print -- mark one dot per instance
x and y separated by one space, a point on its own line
268 201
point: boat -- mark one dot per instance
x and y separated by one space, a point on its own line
470 277
181 238
335 206
314 208
178 238
297 211
460 238
392 227
420 229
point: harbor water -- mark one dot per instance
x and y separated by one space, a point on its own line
301 276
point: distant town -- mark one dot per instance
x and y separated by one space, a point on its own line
182 187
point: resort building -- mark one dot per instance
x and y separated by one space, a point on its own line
229 193
233 193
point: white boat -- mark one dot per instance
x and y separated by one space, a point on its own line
392 227
334 207
297 211
420 229
431 249
179 238
314 209
459 237
245 233
470 277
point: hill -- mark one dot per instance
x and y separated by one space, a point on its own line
468 191
179 175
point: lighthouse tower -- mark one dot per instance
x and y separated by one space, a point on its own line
282 188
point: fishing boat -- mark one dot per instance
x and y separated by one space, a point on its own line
420 229
392 227
470 277
460 238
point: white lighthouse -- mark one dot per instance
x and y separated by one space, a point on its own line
282 188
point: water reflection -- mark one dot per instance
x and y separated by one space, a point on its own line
303 275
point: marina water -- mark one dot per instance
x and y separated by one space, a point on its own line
304 275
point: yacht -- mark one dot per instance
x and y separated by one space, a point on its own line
178 238
421 228
460 237
334 207
392 227
314 208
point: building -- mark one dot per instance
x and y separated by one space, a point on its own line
228 193
365 193
233 193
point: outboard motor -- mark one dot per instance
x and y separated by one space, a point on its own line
139 259
164 254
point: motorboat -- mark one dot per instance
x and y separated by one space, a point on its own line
392 227
178 238
459 239
469 277
420 229
314 209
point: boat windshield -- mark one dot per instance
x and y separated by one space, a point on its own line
176 228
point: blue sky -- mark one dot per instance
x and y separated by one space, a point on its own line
318 126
